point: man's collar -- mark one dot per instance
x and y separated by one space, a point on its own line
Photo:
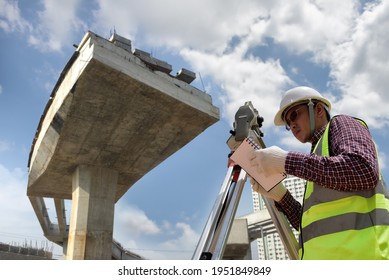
317 135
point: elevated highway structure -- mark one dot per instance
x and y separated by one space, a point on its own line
114 115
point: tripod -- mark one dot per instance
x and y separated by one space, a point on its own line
216 231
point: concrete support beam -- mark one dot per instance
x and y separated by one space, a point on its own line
91 222
39 206
238 243
61 216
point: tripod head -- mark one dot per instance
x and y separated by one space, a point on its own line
247 124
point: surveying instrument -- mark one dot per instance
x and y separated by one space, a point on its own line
213 240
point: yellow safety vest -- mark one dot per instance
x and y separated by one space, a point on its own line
344 225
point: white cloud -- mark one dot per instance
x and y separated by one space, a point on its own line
332 33
188 239
289 142
13 184
121 16
205 25
320 28
134 222
10 17
311 26
18 221
243 79
299 25
167 227
179 247
57 24
53 28
382 160
361 67
170 241
4 146
184 245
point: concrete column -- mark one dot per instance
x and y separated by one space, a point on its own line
65 247
238 242
93 205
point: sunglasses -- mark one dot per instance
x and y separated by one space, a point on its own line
292 117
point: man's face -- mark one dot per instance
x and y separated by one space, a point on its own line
297 119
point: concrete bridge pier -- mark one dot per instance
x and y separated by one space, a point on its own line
93 206
113 115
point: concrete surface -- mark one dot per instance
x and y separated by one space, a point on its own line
111 110
238 242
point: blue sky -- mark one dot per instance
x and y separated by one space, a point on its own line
244 50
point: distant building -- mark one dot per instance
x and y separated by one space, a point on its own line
25 252
270 246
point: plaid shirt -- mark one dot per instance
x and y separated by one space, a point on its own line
352 166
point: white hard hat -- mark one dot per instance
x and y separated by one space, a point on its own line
295 96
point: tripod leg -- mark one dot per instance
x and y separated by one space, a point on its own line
228 216
214 237
281 223
213 219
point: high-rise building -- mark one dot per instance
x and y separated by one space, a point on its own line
270 246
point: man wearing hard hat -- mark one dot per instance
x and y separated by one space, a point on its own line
345 211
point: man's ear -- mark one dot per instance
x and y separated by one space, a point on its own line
321 112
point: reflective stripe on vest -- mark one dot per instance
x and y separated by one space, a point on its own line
344 225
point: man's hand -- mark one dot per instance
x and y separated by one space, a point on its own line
276 193
269 161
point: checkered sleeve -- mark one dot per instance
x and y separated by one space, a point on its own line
291 208
352 164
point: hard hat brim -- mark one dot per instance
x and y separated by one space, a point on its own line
278 119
